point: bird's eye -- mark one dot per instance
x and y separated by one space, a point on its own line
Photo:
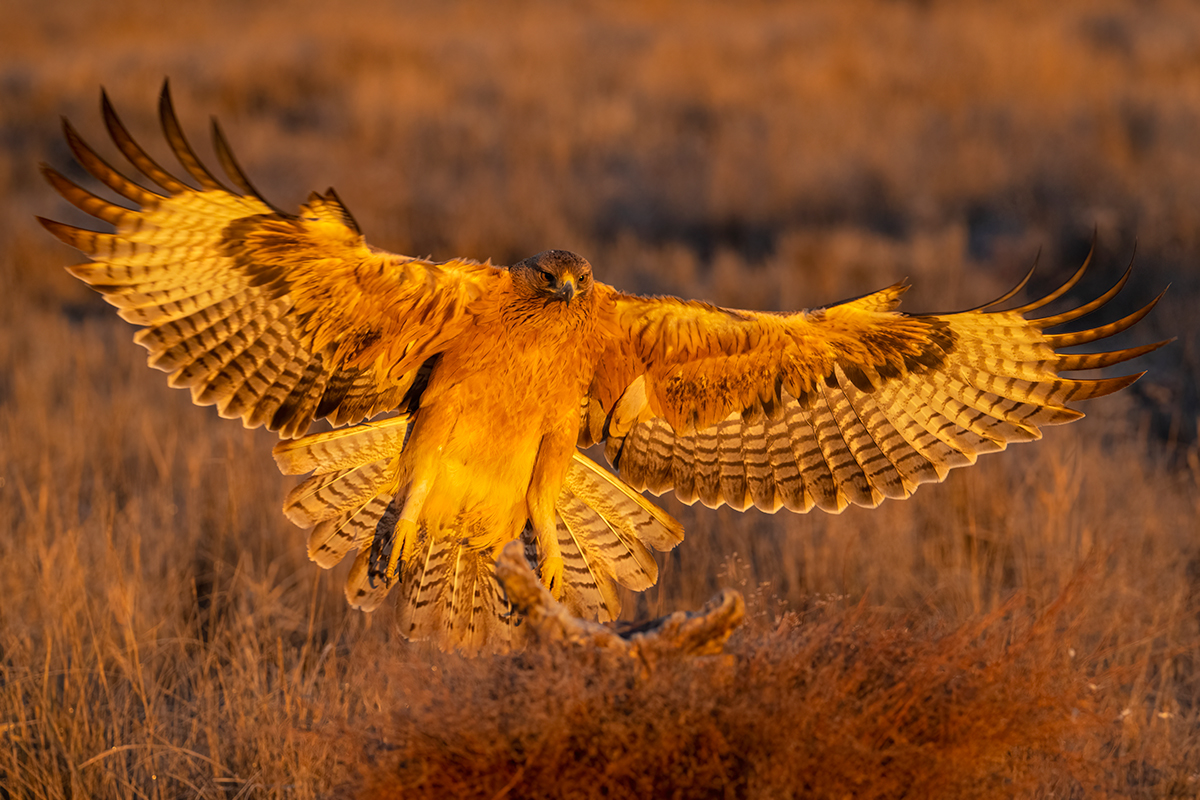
546 276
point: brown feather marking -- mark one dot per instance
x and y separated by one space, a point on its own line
85 200
819 481
683 469
871 438
731 463
787 475
850 484
760 476
893 432
134 152
185 263
331 539
179 143
102 171
707 466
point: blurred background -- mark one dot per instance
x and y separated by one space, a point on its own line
762 155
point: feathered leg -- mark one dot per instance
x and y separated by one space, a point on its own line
550 468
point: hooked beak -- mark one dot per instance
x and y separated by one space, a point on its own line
566 291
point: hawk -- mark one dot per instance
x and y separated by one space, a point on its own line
461 392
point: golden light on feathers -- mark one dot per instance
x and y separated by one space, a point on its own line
494 377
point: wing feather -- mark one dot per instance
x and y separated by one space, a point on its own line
852 403
787 475
278 319
587 592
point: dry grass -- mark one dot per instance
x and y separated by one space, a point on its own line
1028 629
831 704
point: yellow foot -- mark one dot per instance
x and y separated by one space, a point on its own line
402 549
399 548
552 575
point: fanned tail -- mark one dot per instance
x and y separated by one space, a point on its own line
448 589
450 594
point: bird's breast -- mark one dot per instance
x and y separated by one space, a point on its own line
493 397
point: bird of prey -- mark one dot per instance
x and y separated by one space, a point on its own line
461 392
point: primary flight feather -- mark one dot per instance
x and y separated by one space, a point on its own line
494 377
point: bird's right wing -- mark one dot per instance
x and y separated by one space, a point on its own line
279 319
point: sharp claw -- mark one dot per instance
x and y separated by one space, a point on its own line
389 553
393 566
381 550
552 575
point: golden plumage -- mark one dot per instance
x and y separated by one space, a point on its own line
495 376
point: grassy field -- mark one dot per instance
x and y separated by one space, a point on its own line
1030 628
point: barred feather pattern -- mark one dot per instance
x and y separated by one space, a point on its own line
449 592
280 319
277 319
860 435
357 475
605 532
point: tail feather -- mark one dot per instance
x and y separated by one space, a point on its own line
452 596
448 588
480 618
427 587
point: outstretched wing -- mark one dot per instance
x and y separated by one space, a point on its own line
847 404
277 318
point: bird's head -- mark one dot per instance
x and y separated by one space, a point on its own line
554 276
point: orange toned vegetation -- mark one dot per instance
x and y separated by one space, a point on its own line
1030 628
838 704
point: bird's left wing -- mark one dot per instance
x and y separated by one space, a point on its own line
279 319
846 404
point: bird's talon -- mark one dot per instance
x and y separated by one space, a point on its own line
552 576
